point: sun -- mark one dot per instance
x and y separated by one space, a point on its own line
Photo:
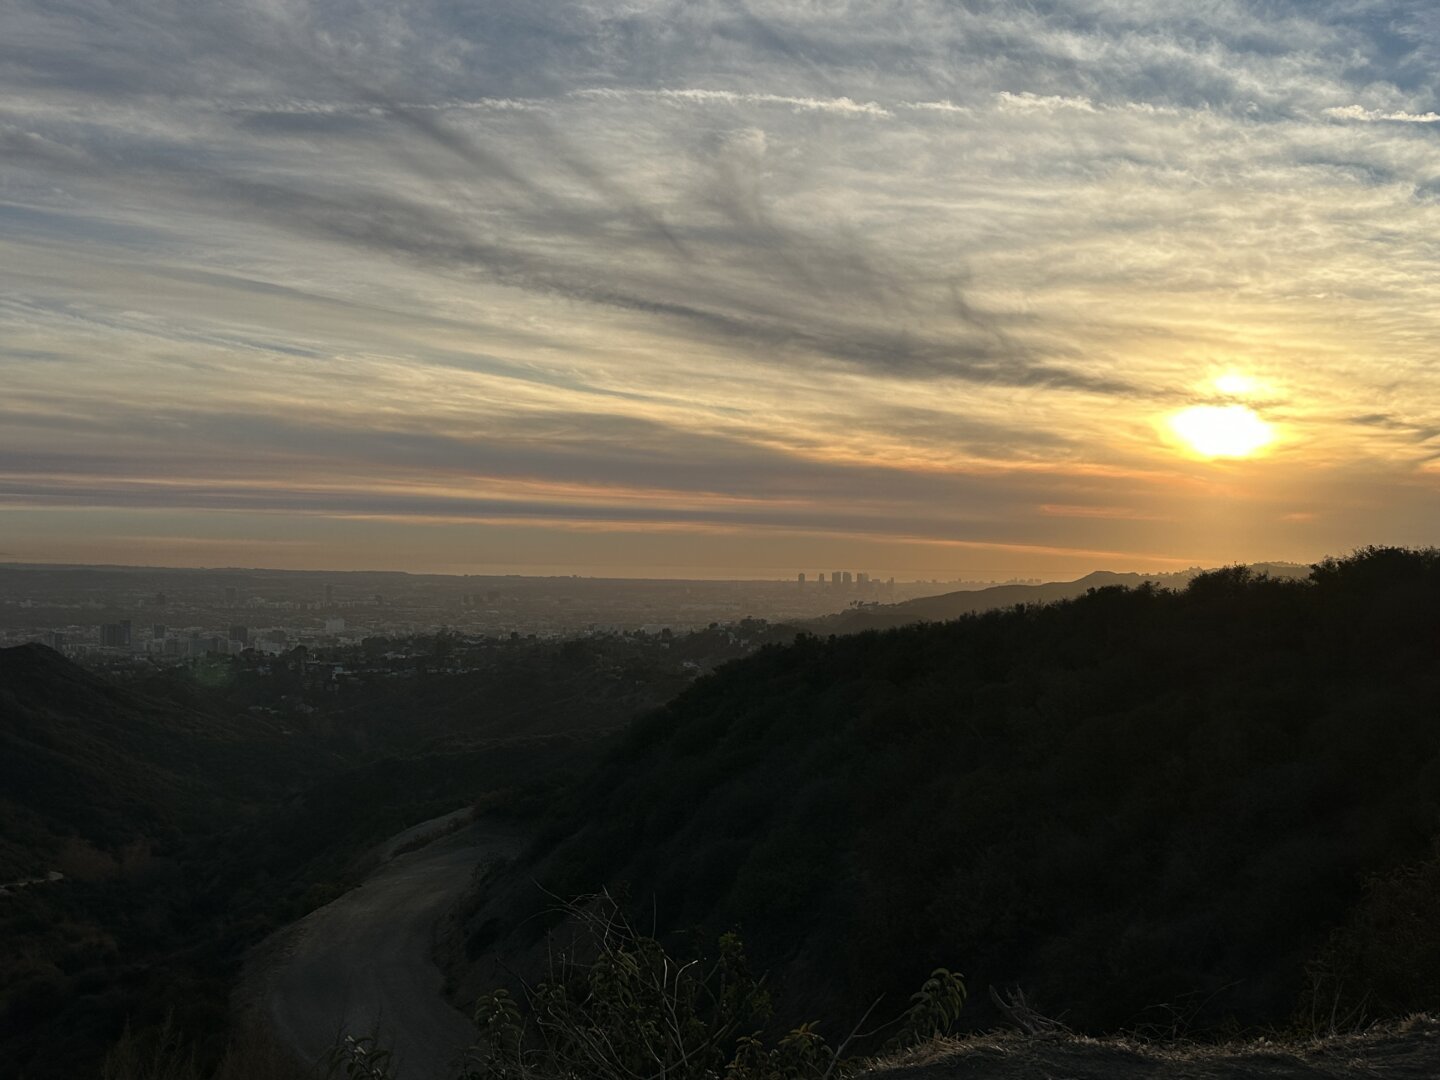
1232 431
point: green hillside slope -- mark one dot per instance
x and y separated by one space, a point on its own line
1136 799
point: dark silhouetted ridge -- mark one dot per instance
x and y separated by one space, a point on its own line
41 673
953 605
23 660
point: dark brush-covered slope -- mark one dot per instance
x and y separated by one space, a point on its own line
1137 801
84 763
127 795
193 809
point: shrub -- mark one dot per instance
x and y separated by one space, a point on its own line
632 1012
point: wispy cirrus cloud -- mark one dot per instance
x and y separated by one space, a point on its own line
1359 112
842 106
939 265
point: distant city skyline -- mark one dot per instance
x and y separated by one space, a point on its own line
173 615
718 289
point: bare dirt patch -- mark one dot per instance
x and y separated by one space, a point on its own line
363 964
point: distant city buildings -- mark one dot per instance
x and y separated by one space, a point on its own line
847 581
89 612
115 635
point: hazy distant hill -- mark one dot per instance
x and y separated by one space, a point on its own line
1136 804
952 605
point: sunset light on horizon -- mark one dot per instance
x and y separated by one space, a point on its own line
740 288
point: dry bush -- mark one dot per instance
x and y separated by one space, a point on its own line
164 1053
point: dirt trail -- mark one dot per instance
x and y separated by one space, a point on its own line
1407 1051
362 964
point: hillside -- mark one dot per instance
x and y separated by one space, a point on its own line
121 796
193 810
89 770
1135 804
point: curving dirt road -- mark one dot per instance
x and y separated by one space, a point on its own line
362 964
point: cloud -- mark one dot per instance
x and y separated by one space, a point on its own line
876 251
1028 102
1359 112
842 106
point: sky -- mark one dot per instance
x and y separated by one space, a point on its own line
718 287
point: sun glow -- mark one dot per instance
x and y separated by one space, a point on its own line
1234 383
1234 431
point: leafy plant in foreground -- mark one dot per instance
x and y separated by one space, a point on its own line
359 1058
933 1010
634 1012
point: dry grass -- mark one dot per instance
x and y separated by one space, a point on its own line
164 1054
1406 1050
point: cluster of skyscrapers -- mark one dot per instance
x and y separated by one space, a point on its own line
843 579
